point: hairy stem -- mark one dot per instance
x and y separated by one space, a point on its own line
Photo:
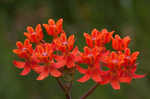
90 91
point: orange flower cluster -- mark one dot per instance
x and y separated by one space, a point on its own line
53 58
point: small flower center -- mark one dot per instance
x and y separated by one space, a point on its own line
24 49
34 33
44 54
93 38
65 43
115 61
89 55
128 57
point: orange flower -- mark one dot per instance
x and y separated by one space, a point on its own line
26 66
98 38
63 44
114 63
130 65
59 57
70 59
46 70
24 50
93 72
90 38
91 58
44 52
36 35
121 68
120 44
54 29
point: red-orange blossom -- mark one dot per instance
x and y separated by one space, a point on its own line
53 58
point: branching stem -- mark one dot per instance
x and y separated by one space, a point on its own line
90 91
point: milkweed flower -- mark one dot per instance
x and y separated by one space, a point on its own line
24 51
69 55
120 44
61 57
44 53
98 38
121 68
36 35
53 28
70 59
91 58
63 44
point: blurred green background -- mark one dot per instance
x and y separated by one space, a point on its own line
126 17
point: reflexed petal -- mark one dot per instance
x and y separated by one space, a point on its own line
55 73
42 75
59 64
27 35
85 78
70 64
135 76
135 54
115 85
81 70
77 59
58 58
104 82
19 64
96 77
125 79
16 51
38 69
25 71
127 51
75 51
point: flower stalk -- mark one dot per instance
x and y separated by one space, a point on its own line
89 92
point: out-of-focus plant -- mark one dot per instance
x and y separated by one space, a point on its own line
60 59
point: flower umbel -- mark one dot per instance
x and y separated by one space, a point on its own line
61 58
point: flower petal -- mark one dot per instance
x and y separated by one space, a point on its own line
125 79
19 64
71 42
85 78
115 85
135 76
55 73
81 70
38 69
42 75
25 71
96 77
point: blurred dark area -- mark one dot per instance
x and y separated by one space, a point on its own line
126 17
